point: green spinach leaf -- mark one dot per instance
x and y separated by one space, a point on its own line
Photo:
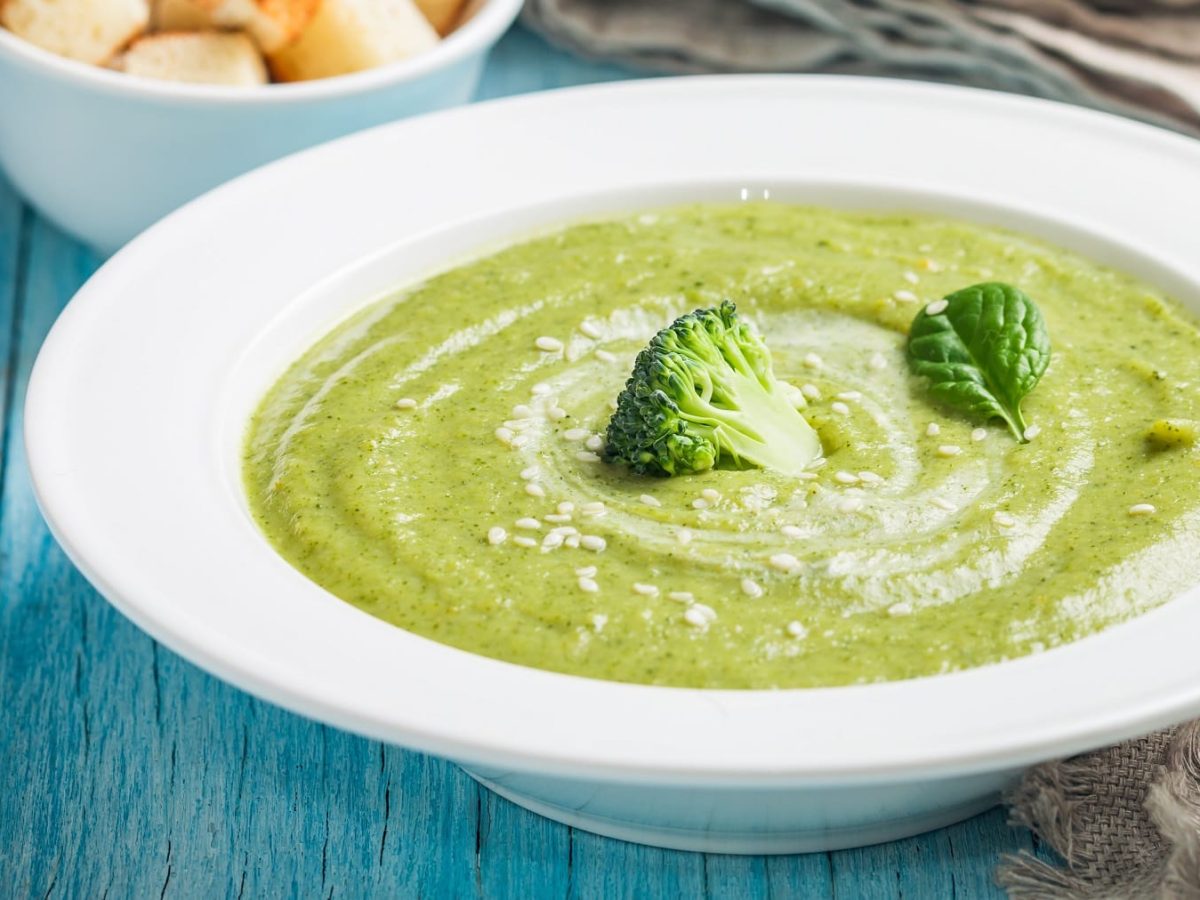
983 349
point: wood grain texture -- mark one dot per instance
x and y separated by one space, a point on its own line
127 772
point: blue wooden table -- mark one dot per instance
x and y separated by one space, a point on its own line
127 772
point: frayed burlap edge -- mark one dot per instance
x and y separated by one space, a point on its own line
1140 840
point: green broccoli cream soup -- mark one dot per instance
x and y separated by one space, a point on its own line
438 459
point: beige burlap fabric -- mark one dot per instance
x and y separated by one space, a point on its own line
1125 820
1135 57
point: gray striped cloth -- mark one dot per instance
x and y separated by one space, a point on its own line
1138 58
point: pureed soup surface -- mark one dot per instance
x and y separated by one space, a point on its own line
941 562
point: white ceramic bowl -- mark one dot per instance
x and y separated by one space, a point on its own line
139 400
104 154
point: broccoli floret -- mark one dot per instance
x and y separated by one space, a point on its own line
703 394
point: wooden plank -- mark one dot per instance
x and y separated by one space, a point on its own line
977 846
43 635
606 869
14 222
522 854
810 875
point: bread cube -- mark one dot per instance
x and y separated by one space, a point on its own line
442 14
91 31
351 35
272 23
199 57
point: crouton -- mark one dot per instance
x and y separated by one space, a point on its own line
272 23
442 14
351 35
91 31
200 57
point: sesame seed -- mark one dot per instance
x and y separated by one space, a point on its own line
575 434
850 395
712 495
840 408
900 609
1003 519
587 456
751 588
811 391
556 412
519 425
592 542
681 596
586 571
529 473
565 507
792 531
557 517
599 620
572 540
541 389
934 429
936 307
845 478
595 442
521 541
589 585
1032 431
942 503
796 630
806 476
949 450
518 442
589 329
877 361
905 296
646 590
979 434
553 540
605 356
700 503
850 504
496 535
535 490
785 562
870 478
684 536
812 361
549 344
594 508
504 434
911 277
521 411
1142 509
650 501
818 463
528 523
565 530
700 615
406 403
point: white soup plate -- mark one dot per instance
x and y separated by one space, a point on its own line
140 398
